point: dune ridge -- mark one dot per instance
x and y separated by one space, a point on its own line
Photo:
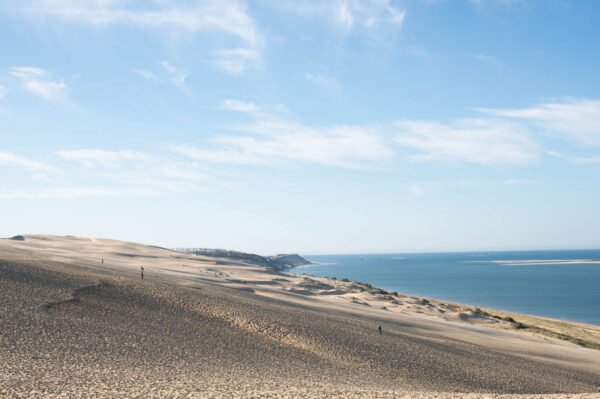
204 327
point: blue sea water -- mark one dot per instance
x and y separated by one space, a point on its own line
515 281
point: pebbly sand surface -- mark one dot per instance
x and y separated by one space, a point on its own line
71 326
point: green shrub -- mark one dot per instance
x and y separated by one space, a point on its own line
480 312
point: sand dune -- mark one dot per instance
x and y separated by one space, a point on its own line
73 326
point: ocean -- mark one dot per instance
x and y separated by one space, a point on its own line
541 283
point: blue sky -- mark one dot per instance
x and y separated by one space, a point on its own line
303 126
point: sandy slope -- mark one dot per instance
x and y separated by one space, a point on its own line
196 327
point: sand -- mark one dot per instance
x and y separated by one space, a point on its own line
72 326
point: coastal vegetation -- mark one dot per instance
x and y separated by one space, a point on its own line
578 334
276 262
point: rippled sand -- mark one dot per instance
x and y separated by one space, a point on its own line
71 326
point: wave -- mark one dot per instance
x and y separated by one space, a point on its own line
317 264
536 262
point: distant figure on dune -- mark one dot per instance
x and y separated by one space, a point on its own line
380 331
142 272
102 261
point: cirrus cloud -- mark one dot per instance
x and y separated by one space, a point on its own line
92 157
8 159
578 119
227 17
349 14
38 82
272 139
481 141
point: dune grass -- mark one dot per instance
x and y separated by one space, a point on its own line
585 335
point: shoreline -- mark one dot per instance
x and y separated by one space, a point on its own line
278 330
527 323
475 304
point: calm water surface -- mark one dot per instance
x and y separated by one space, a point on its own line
513 281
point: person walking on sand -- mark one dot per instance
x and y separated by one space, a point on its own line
380 331
142 272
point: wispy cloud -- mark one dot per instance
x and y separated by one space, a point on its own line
349 14
106 174
575 159
8 159
480 141
584 160
321 80
237 60
134 162
553 153
39 82
93 157
483 3
167 73
272 139
342 146
507 137
148 75
176 76
130 168
578 119
231 155
237 105
74 193
221 16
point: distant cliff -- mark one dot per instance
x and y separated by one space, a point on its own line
283 261
277 262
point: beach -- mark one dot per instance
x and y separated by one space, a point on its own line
556 284
78 321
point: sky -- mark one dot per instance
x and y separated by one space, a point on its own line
333 126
